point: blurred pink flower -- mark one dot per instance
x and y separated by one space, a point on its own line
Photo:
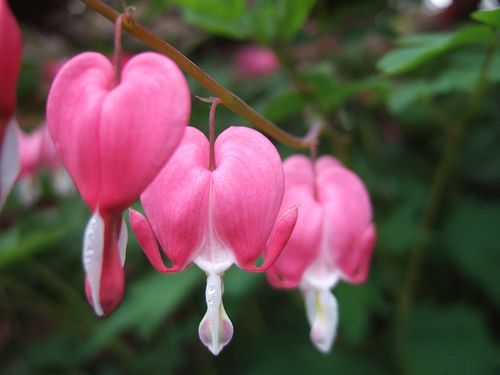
255 61
333 239
216 217
30 146
10 64
113 138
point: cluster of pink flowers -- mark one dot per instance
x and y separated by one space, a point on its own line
123 135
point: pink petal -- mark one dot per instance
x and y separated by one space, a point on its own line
277 240
348 211
176 202
326 162
248 189
106 135
9 159
147 241
357 266
10 63
304 244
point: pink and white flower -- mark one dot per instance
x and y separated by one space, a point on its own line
332 241
217 215
113 138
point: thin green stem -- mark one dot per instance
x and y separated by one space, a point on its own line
228 98
436 195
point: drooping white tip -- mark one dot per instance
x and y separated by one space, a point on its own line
322 314
93 248
9 160
122 242
216 329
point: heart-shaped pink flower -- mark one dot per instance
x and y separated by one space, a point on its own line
113 139
10 64
217 217
333 239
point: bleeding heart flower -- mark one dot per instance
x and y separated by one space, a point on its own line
30 147
255 61
10 63
113 138
216 215
333 239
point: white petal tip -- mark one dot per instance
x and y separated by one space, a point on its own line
93 247
215 335
321 341
322 312
216 329
9 160
98 311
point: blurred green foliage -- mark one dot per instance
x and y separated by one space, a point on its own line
394 102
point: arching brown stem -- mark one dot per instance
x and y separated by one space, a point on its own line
228 98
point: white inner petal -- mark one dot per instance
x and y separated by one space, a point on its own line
122 242
322 273
213 256
93 247
216 329
9 160
322 314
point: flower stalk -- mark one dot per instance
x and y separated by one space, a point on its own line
228 98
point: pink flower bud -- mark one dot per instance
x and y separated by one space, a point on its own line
113 138
333 239
254 61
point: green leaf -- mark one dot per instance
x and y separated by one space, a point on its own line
284 105
404 95
148 303
472 239
356 304
321 80
488 17
291 15
262 21
454 340
417 50
19 247
222 17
